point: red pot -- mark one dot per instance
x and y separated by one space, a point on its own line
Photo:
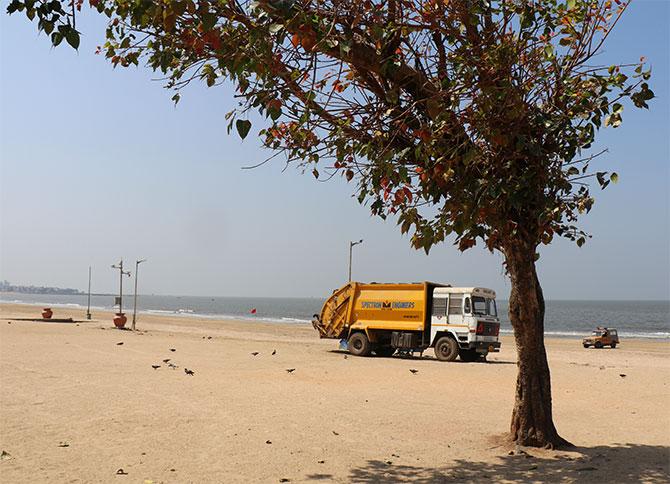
47 313
120 320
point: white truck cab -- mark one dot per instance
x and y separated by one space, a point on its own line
468 315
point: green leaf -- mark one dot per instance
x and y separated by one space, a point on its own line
56 38
243 126
72 38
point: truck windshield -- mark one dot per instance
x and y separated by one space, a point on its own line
483 306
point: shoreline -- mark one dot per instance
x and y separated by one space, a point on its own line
108 312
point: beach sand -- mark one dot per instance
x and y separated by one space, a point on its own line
76 407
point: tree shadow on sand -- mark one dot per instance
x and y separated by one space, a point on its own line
621 463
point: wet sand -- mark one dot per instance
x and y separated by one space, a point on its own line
76 406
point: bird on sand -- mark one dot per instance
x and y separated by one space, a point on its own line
189 372
173 350
166 360
119 343
254 353
155 367
290 370
173 366
622 375
274 352
414 372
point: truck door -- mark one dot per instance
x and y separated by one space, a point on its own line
455 309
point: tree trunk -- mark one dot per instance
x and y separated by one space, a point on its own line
532 423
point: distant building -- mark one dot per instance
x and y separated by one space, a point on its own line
5 286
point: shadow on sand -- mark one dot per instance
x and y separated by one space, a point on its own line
612 464
428 358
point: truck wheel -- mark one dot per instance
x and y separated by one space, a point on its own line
598 344
359 345
384 351
468 355
446 349
613 345
586 346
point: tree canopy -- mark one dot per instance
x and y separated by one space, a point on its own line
460 116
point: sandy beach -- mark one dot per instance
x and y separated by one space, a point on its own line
78 406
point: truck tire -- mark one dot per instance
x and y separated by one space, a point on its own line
359 345
613 345
446 349
384 351
585 345
468 355
598 344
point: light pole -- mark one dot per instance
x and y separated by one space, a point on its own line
351 246
88 307
121 274
137 266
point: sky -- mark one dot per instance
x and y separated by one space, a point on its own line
97 164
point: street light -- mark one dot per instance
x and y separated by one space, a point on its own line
351 246
121 274
137 266
88 307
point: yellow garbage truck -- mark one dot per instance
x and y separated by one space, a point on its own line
383 318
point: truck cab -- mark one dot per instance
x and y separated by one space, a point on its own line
464 322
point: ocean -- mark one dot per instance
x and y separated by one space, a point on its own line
638 319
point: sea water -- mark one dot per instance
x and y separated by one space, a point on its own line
640 319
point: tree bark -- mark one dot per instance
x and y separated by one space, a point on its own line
532 422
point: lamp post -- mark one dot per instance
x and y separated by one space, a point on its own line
137 266
351 246
88 306
121 274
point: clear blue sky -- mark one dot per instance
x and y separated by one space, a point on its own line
97 164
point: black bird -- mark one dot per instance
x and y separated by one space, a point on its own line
268 441
173 350
274 352
622 375
121 472
63 444
255 353
119 343
155 367
173 366
290 370
189 372
166 360
414 372
334 433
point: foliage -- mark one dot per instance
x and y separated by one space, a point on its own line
465 117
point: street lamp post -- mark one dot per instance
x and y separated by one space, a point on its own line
88 306
351 246
121 274
137 266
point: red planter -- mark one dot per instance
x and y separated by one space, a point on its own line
120 320
47 313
